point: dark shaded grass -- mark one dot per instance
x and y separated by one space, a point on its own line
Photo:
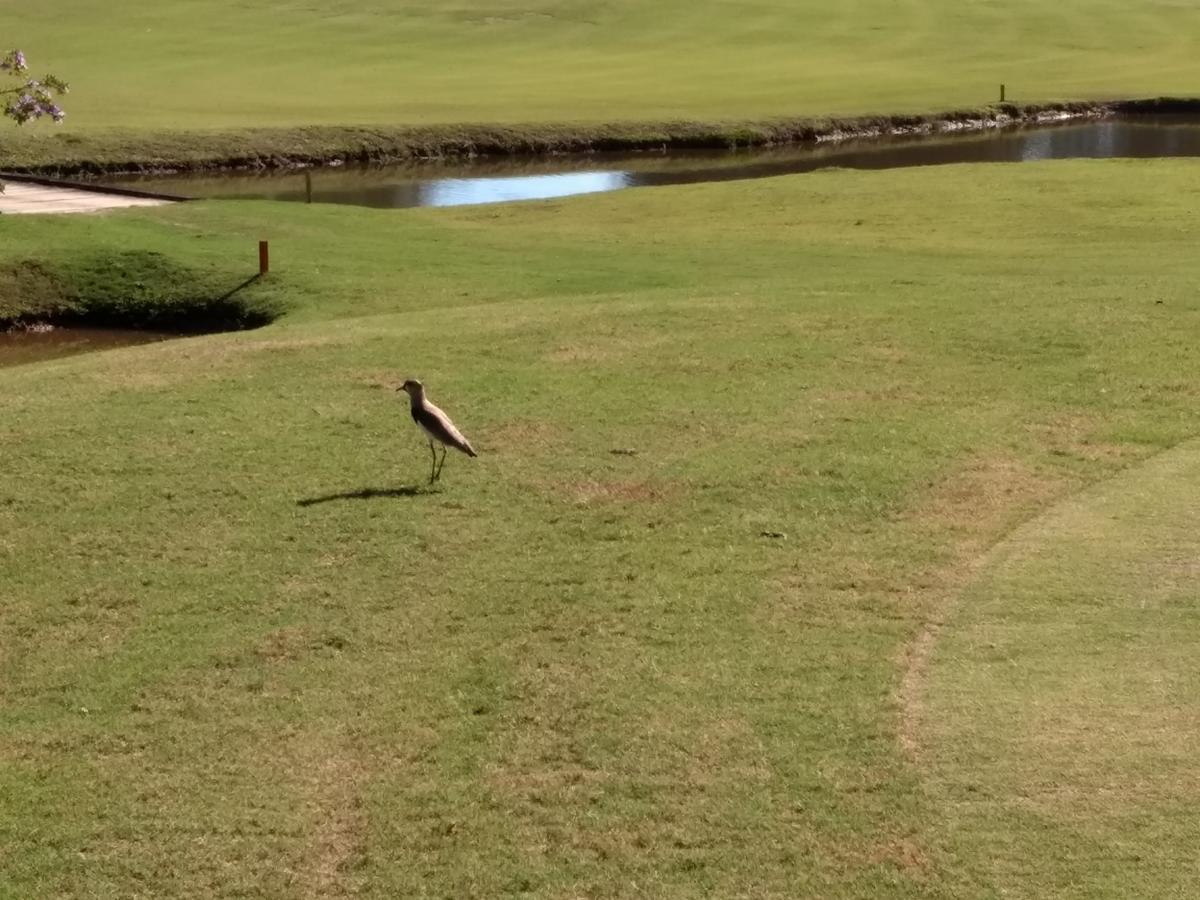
129 289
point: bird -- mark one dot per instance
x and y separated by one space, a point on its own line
435 425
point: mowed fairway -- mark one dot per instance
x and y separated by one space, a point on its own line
1062 718
226 64
669 634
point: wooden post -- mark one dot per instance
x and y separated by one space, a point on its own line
264 258
308 185
1001 93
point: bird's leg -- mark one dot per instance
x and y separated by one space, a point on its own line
433 463
441 463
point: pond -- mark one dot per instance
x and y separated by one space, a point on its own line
497 180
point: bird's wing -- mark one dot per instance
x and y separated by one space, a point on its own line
439 425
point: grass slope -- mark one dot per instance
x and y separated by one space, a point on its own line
244 652
127 288
220 63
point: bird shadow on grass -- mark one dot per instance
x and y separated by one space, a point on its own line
370 493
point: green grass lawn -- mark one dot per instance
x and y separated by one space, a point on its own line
205 64
244 652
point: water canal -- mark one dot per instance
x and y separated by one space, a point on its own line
19 346
498 180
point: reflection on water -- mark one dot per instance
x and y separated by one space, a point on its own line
499 180
19 347
461 191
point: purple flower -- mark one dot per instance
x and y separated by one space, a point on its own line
32 99
14 62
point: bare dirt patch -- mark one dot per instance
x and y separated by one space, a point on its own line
904 854
521 435
977 502
1074 435
599 492
282 644
331 777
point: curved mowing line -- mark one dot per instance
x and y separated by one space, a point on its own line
1059 709
918 655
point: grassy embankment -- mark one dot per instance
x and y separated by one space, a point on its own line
244 651
217 79
128 288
